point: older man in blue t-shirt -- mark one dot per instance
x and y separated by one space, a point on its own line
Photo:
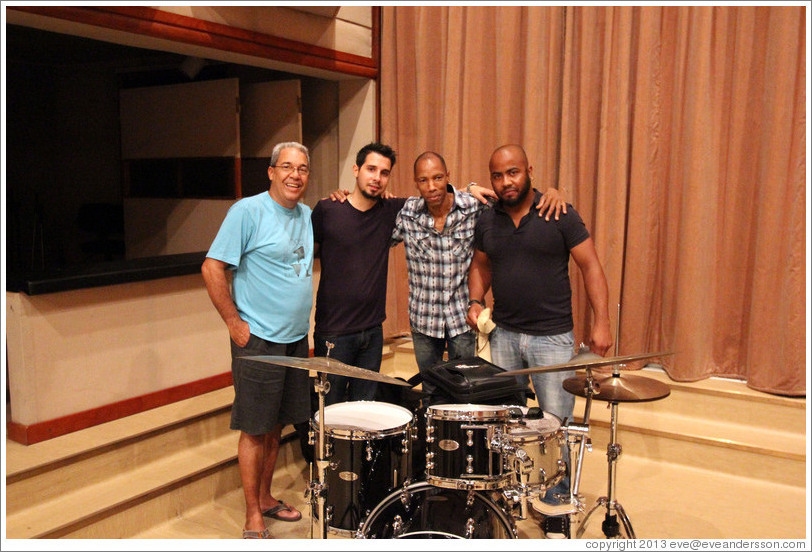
266 242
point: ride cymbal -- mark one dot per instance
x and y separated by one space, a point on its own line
581 361
618 388
327 366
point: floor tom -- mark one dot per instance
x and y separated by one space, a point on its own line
369 446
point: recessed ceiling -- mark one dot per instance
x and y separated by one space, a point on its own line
29 45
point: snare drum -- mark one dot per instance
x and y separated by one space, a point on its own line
369 447
459 453
534 456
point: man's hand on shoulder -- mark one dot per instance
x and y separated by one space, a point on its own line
552 201
339 195
480 192
342 195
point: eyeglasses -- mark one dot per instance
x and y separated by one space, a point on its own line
303 170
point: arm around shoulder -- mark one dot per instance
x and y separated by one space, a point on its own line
481 193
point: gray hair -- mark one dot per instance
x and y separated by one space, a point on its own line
277 149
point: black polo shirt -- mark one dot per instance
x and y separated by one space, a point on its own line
530 268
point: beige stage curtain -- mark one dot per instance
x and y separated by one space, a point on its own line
678 133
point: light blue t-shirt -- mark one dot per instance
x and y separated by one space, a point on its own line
270 249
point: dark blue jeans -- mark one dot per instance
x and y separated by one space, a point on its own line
361 349
428 351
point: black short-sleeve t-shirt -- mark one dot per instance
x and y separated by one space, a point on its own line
354 256
530 268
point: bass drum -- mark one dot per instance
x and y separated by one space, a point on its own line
423 511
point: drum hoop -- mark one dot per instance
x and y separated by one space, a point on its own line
477 412
470 419
537 438
531 435
361 434
395 495
443 533
482 483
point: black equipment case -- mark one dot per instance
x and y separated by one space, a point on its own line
473 380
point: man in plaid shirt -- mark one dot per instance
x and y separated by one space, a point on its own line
437 230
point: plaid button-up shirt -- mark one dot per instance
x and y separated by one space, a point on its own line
438 263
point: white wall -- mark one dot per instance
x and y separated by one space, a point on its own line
79 350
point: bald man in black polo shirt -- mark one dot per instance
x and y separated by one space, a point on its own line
526 261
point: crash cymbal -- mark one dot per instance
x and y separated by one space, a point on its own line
328 366
582 360
619 388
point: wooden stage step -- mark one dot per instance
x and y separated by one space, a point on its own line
714 424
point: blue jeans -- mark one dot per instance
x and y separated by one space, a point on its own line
361 349
514 351
428 351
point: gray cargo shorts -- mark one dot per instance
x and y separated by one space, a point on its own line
267 394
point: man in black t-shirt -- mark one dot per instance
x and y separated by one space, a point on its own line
352 241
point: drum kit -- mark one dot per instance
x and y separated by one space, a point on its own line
485 464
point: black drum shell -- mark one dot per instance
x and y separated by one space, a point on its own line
355 483
449 447
426 511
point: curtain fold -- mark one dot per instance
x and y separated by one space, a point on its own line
678 133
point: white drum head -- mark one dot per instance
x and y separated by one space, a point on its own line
372 416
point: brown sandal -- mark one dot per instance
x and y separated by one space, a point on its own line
281 507
264 534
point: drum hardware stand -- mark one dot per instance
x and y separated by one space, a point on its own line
585 442
610 525
317 490
614 390
578 432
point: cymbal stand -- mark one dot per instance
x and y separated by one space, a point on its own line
610 525
584 442
317 490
